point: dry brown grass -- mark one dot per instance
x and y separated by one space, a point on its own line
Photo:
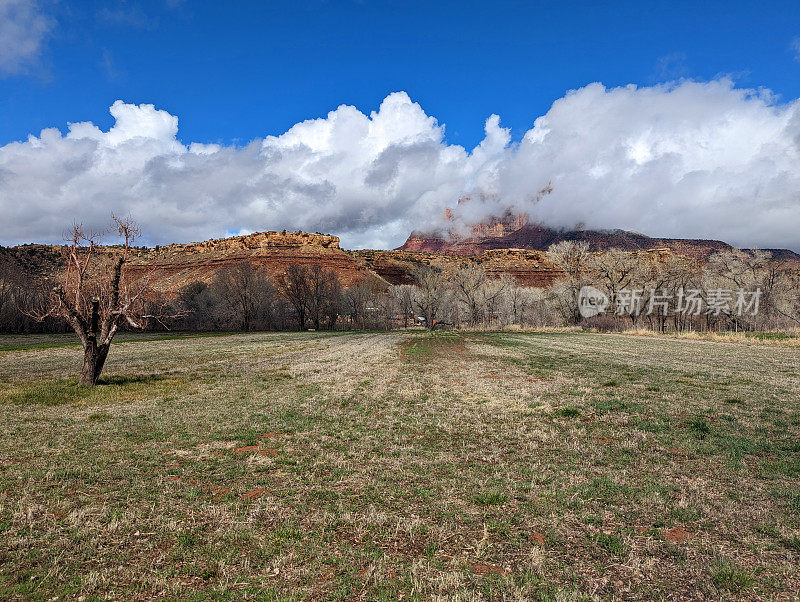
445 466
783 338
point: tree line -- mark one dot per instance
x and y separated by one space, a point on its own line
245 297
665 282
465 295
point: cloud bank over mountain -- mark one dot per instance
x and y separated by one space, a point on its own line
690 159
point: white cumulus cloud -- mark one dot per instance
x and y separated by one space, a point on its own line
702 160
22 30
688 159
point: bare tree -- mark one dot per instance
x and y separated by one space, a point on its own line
470 284
356 299
9 281
325 296
683 274
516 299
756 270
431 295
294 285
616 270
94 300
659 283
793 297
387 308
572 258
246 294
332 301
403 297
314 293
200 304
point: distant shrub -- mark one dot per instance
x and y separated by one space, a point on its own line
604 323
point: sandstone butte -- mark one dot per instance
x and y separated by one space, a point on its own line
170 268
506 245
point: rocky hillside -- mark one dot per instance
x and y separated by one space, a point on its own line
530 268
515 232
507 245
172 267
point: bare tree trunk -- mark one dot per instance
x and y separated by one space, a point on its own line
89 374
94 359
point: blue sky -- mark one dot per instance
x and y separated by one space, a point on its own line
236 71
368 120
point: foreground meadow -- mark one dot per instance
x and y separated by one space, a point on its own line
463 466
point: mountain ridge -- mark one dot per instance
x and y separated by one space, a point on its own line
510 231
508 245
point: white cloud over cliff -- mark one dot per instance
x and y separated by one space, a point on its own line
688 159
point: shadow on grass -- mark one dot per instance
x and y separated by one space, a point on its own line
122 380
118 388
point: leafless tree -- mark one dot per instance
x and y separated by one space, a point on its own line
325 296
315 294
683 274
616 270
403 296
516 300
356 300
388 309
756 270
294 285
469 285
572 258
93 299
246 294
431 294
659 284
9 281
477 292
200 305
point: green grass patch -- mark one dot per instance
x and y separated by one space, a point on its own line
112 389
698 427
430 345
727 575
491 498
611 543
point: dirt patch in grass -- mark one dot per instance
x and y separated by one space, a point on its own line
677 535
538 538
245 449
253 494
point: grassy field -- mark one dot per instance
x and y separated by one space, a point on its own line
458 466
